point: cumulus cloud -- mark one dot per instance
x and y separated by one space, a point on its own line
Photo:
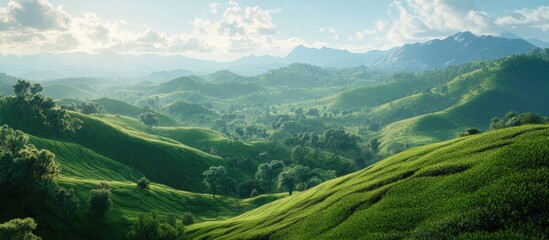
417 20
537 17
39 14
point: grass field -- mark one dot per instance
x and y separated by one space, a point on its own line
492 185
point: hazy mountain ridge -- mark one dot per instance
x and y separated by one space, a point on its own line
456 49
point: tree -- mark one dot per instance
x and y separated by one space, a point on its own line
23 168
31 105
374 145
188 218
298 154
267 172
214 178
68 202
149 119
89 107
153 227
99 201
143 183
288 179
18 229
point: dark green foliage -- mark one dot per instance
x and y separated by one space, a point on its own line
33 108
470 131
267 173
215 178
23 168
99 201
513 119
149 119
143 183
68 202
18 229
153 227
339 139
188 218
288 178
103 185
87 107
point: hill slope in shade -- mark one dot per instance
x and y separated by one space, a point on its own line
492 185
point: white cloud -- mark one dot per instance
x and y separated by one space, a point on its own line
537 18
37 14
418 20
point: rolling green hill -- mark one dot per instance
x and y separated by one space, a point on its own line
488 186
519 83
118 107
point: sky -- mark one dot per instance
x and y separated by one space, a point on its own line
228 30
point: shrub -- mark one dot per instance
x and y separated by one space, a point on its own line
188 218
143 183
152 227
99 201
18 229
470 131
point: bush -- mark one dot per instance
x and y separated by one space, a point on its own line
470 131
103 185
18 229
152 227
188 218
99 201
143 183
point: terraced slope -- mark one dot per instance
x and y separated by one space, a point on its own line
492 185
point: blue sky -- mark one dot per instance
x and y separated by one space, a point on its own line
226 30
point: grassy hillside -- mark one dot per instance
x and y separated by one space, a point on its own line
487 186
518 83
113 106
128 203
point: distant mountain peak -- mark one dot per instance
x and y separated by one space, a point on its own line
510 35
463 36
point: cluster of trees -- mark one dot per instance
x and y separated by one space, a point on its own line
32 107
153 227
24 169
268 177
86 107
333 139
513 119
19 229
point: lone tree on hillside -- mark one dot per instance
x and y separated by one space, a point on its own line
288 179
267 172
99 201
149 119
143 183
214 178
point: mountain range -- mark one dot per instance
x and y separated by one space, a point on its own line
456 49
